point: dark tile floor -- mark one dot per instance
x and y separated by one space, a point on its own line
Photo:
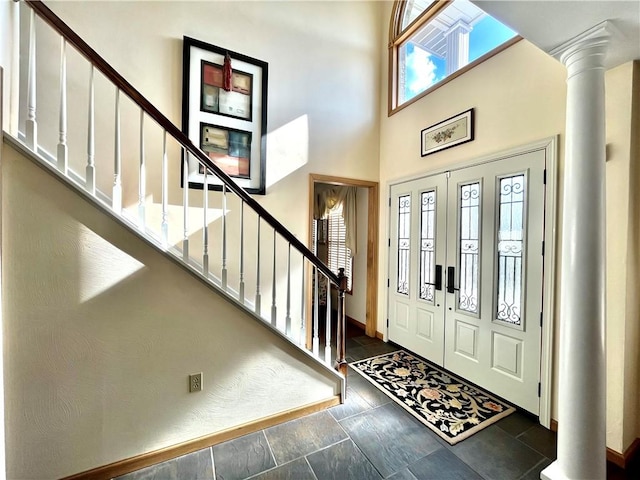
367 438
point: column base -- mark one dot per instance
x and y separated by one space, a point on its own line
553 472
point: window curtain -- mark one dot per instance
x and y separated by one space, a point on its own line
328 197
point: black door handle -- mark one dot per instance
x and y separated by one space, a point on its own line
438 277
451 273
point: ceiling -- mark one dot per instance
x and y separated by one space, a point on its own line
549 23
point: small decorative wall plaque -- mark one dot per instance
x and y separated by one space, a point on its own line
448 133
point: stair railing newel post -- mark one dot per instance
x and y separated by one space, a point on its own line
341 363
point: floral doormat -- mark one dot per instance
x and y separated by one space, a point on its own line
447 405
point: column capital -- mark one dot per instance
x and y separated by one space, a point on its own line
458 27
590 44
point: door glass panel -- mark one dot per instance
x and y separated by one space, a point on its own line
404 242
427 246
510 245
469 260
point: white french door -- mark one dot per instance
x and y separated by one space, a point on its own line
418 247
474 306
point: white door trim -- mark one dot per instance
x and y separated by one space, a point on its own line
550 146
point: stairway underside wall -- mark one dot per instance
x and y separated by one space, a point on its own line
101 332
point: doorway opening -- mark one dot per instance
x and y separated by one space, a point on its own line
364 284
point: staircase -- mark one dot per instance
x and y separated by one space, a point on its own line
223 238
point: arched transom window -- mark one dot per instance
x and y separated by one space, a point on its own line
433 41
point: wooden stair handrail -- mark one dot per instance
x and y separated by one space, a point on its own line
121 83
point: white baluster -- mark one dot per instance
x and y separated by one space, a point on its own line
287 323
274 319
224 237
117 164
315 344
164 228
258 296
303 327
91 168
142 185
205 230
185 206
31 125
327 346
62 141
241 289
14 73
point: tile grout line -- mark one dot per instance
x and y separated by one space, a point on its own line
532 469
367 408
453 450
522 433
360 450
213 463
313 472
530 446
310 453
303 457
367 458
264 434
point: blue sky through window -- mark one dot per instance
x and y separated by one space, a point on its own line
486 35
423 69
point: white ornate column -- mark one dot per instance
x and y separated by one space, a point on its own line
581 395
457 55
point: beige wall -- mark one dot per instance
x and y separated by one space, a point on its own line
519 96
323 79
328 84
633 331
101 333
322 107
622 264
357 302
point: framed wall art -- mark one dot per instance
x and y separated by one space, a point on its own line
448 133
224 112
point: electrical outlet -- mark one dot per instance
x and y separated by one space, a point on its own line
195 382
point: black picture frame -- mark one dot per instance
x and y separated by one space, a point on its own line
232 117
448 133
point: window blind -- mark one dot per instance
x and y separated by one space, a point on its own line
339 254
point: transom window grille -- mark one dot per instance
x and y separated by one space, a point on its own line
511 234
427 246
432 40
469 260
404 243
